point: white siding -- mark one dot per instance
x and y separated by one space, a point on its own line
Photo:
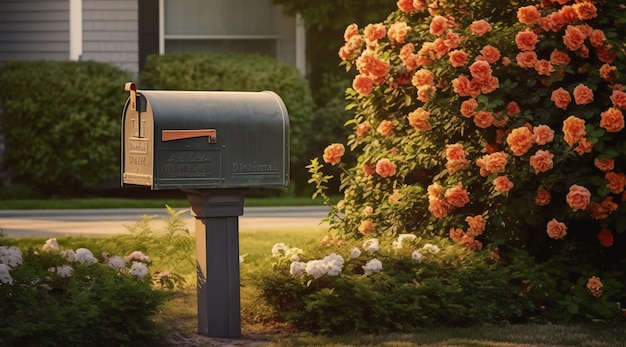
34 30
110 32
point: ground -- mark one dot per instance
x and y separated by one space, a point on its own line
197 340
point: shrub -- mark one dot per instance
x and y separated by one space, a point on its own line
500 134
238 72
62 123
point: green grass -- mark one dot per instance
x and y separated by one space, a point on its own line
180 314
100 203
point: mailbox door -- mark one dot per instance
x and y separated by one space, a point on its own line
137 143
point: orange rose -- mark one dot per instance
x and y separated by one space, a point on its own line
363 128
520 140
526 60
373 32
434 191
541 161
573 38
438 208
419 119
559 58
585 10
492 163
528 15
368 64
438 25
556 229
457 58
385 168
612 120
462 85
455 152
561 98
617 181
606 164
385 128
597 38
542 197
480 71
395 197
526 40
502 184
456 234
423 77
425 93
542 134
333 153
363 84
512 108
544 67
476 225
578 197
452 40
582 94
468 107
351 30
397 32
368 169
366 227
490 54
406 6
483 119
584 146
595 286
608 72
618 98
605 236
574 129
480 27
491 84
457 196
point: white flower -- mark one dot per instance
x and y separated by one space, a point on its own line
315 268
294 253
297 268
355 253
279 250
51 245
69 254
138 256
431 248
83 255
371 245
64 270
11 256
417 256
372 266
116 262
402 238
139 269
5 276
334 264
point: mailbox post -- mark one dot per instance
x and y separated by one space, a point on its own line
212 146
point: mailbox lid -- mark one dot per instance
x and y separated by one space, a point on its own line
219 139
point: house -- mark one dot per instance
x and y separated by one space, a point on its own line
125 32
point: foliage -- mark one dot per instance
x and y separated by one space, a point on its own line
55 297
238 72
61 122
496 133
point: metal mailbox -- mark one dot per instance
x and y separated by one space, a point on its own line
204 139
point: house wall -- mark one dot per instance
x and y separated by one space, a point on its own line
110 32
34 30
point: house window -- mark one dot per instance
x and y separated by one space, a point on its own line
244 26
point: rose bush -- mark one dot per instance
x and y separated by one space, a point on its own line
499 135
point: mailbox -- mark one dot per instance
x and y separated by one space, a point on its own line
204 139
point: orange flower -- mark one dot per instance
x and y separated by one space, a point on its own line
559 58
457 196
483 119
480 27
544 67
385 128
367 211
363 84
528 15
468 107
492 163
457 58
585 10
502 184
471 243
333 153
542 134
438 208
385 168
368 169
612 120
455 152
578 197
476 225
397 32
617 181
367 226
618 99
406 6
526 60
574 129
423 77
542 197
606 164
520 140
541 161
462 85
489 53
368 64
573 38
526 40
556 229
605 236
425 93
452 40
582 94
456 234
512 108
438 25
481 71
351 30
434 191
608 72
363 128
561 98
373 32
595 286
419 119
597 38
395 197
584 146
